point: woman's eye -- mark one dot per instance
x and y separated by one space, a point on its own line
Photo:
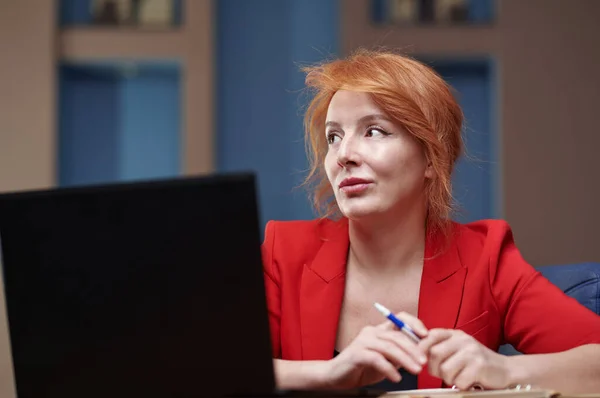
373 132
332 138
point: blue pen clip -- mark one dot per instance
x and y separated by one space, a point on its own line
401 325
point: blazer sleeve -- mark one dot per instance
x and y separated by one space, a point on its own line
272 290
538 316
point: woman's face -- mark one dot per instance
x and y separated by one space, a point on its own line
373 165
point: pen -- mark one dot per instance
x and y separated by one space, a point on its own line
401 325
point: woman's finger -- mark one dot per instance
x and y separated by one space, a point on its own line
435 336
442 350
393 352
467 377
375 360
450 368
414 323
406 344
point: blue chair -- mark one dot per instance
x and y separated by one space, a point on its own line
580 281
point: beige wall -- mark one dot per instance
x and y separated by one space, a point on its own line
548 54
198 80
550 57
27 94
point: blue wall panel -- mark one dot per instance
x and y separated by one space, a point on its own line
89 121
150 126
117 126
259 122
474 179
253 128
315 26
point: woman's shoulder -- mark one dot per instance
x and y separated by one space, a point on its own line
303 233
304 226
486 239
482 232
301 240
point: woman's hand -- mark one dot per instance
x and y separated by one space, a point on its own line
376 353
461 361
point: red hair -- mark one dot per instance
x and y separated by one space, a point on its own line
410 93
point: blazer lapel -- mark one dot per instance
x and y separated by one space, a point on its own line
322 292
441 293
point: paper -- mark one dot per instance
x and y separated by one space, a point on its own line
454 393
425 392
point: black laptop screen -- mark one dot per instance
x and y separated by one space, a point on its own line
146 290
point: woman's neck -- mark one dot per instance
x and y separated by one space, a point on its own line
388 245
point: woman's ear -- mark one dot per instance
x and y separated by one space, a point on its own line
429 171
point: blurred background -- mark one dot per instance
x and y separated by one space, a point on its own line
96 91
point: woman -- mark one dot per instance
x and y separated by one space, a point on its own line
384 133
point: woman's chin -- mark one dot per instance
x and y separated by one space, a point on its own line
358 212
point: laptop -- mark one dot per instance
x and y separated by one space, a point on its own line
146 289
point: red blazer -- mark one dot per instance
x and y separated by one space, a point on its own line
479 284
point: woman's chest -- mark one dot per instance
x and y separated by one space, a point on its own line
358 310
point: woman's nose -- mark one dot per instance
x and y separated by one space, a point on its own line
348 153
